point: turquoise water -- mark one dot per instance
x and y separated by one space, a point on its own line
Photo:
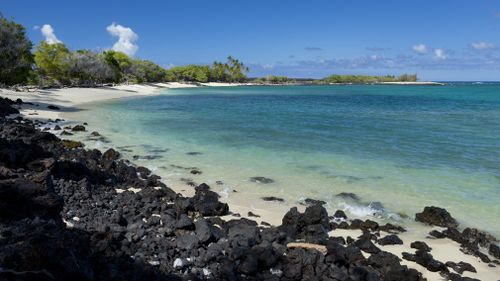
404 147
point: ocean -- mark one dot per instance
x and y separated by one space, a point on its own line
398 148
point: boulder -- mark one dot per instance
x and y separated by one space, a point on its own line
207 203
78 128
366 245
187 241
419 245
436 216
339 214
390 240
111 154
494 250
461 267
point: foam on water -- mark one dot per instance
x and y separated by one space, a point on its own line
405 147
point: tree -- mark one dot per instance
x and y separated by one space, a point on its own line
231 71
237 70
52 61
120 62
191 73
88 68
146 71
218 72
278 79
16 59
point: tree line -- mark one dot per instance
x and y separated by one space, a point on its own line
367 79
56 65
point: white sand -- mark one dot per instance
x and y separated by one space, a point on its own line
68 99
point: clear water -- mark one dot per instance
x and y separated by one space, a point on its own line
403 146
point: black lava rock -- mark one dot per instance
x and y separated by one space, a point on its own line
53 107
436 216
390 240
78 128
263 180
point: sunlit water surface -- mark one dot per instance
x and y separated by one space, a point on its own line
399 148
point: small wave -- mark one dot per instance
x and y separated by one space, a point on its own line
361 211
152 168
225 191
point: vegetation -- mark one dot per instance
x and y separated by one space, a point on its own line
191 73
364 79
231 71
55 64
272 79
87 68
15 53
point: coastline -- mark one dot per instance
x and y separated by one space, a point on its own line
68 100
416 83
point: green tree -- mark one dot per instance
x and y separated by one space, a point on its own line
278 79
16 59
231 71
219 72
146 71
52 61
189 73
120 62
237 70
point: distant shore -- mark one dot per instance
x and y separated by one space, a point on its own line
66 99
429 83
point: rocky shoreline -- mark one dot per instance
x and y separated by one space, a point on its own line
70 213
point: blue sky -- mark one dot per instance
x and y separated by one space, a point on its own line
439 40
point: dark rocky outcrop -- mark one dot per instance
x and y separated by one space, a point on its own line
390 240
461 267
78 128
6 107
436 216
419 245
426 260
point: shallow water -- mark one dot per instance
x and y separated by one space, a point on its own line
405 147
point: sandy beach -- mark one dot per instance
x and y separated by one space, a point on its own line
69 100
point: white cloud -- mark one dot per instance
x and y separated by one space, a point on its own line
420 48
48 33
36 27
126 39
482 46
439 54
